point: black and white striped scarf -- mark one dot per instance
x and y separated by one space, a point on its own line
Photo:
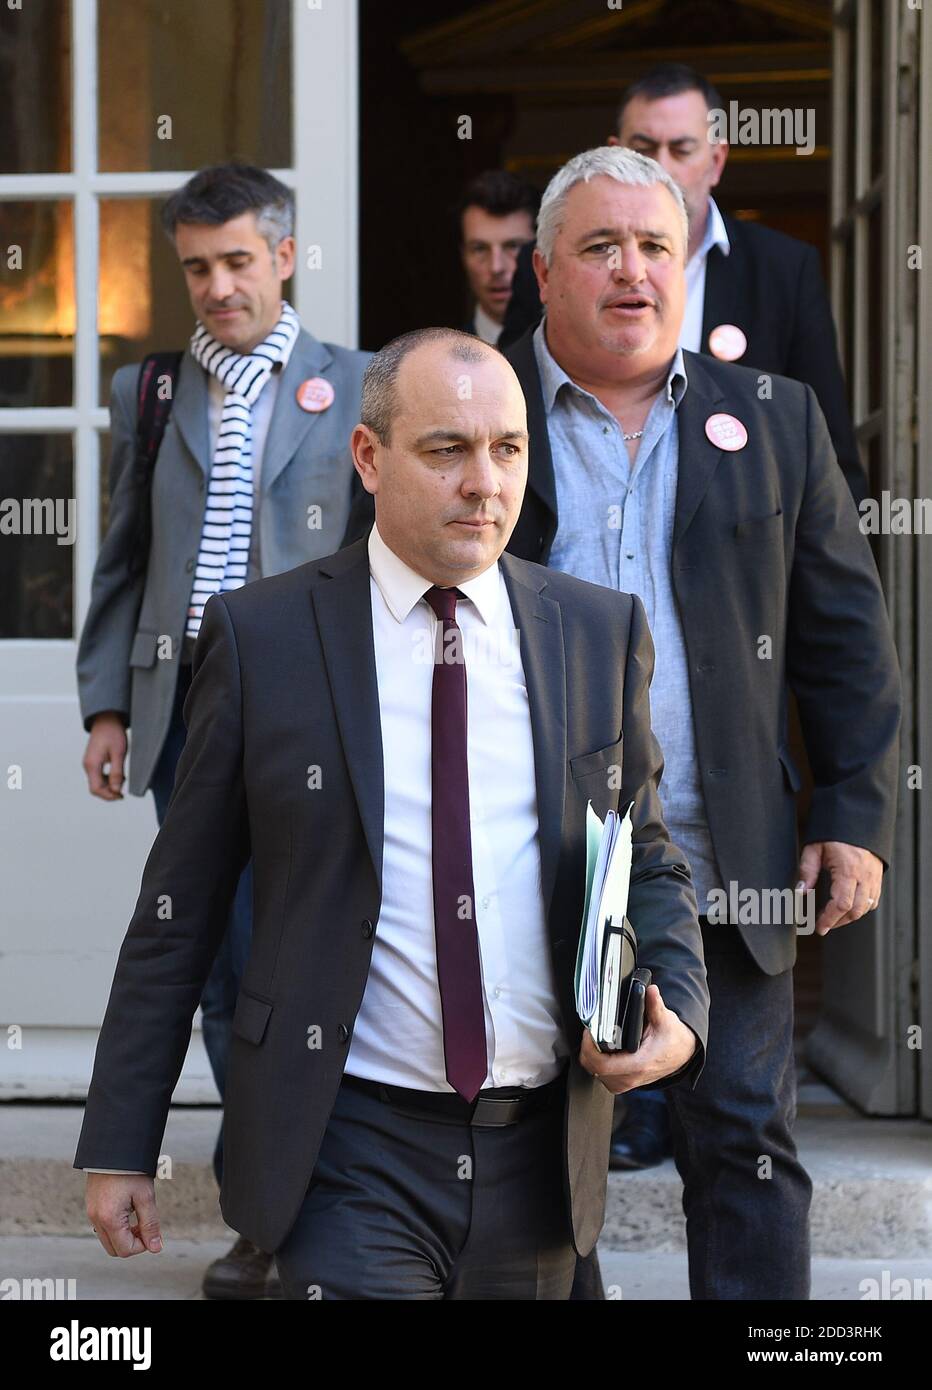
224 551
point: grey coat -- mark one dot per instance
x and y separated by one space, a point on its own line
122 664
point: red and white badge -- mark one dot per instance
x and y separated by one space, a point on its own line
726 432
727 342
314 395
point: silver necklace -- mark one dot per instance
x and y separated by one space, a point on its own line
637 435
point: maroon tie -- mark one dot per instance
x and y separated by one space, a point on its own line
459 973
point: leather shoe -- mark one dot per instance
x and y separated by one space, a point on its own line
243 1272
642 1140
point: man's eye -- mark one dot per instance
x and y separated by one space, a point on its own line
447 451
600 247
653 246
512 449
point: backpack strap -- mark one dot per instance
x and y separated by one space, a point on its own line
153 407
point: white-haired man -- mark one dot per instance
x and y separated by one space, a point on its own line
671 475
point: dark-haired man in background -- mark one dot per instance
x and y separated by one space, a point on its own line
253 477
753 295
496 217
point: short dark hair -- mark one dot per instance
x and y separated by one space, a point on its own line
669 80
499 193
379 403
224 191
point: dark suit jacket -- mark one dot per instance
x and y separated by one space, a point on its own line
285 679
766 544
771 286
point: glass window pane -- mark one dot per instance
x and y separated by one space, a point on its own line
185 85
878 83
852 124
104 499
847 308
142 305
35 77
875 333
37 533
36 303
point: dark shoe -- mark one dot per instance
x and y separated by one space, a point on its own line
642 1140
241 1273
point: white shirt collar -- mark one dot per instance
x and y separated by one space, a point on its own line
715 233
401 587
486 327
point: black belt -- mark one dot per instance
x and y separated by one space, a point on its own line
500 1105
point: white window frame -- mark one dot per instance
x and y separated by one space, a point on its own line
324 175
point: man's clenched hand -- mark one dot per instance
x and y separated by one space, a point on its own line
105 756
666 1046
122 1212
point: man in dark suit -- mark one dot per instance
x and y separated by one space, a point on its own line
281 451
753 294
665 473
413 1108
495 218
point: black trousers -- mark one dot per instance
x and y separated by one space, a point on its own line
405 1206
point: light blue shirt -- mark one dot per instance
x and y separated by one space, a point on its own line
615 528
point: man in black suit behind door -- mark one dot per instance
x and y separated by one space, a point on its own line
413 1109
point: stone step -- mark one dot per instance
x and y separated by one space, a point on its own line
76 1267
872 1182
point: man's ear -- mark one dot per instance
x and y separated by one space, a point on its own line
542 271
719 159
284 257
364 444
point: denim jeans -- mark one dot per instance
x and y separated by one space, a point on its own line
745 1194
218 999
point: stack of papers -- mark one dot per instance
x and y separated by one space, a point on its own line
606 955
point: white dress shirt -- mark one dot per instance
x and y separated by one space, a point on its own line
715 235
398 1035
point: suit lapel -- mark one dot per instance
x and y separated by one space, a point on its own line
540 626
698 456
189 411
344 616
289 423
724 299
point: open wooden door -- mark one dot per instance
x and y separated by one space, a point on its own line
865 1042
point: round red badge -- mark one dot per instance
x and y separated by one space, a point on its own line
725 432
315 394
727 342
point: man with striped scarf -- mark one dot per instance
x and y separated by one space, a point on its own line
253 477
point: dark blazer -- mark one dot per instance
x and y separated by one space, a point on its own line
285 679
766 544
771 286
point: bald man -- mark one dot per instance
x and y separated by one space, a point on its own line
413 1108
